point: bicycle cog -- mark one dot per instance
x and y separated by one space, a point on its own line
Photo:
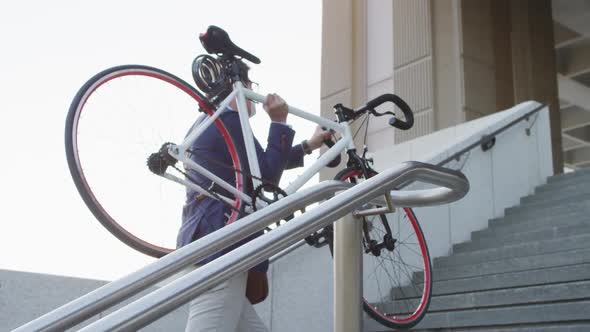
276 194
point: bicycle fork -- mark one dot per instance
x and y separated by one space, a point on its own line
373 246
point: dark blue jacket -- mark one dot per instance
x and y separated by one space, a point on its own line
201 217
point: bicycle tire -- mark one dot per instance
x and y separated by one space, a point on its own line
94 101
399 312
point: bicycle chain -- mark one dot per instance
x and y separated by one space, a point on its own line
208 190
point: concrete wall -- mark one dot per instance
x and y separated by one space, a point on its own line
25 296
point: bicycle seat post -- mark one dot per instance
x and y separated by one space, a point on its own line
235 71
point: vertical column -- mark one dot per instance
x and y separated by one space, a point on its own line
446 63
359 52
359 62
477 58
337 59
521 51
533 46
502 28
379 69
412 55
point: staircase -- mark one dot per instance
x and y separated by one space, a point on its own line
529 271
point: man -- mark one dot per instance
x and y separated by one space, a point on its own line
225 307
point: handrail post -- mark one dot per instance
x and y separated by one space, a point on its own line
348 271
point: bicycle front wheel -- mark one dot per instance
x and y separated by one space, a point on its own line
116 120
397 272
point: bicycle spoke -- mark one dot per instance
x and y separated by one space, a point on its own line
409 275
361 126
411 249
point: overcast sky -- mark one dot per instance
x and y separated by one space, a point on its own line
50 48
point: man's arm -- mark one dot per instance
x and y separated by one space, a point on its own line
315 142
295 157
276 157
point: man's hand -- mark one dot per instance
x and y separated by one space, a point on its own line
276 108
318 137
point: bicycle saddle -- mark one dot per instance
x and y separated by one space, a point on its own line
216 41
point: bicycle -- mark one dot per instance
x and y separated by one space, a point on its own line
394 244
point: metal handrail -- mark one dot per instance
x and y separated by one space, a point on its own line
139 313
160 302
119 290
487 138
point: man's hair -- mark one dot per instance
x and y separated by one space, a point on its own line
244 69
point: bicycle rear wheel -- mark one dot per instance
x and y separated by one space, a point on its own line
397 272
116 120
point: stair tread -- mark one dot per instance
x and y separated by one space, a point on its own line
569 257
542 234
526 294
555 327
557 274
515 250
544 210
515 219
534 313
553 313
527 227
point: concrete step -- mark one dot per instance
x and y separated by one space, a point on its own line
569 291
558 228
575 312
542 276
515 219
527 314
576 256
542 234
565 186
568 176
551 196
513 251
556 200
557 327
544 210
524 227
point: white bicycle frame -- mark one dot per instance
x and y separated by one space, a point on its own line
241 94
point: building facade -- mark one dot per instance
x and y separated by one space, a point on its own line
458 60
